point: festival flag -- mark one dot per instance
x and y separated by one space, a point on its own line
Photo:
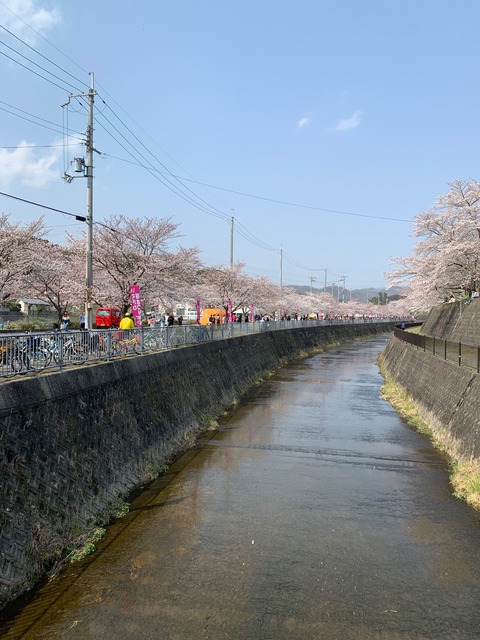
136 304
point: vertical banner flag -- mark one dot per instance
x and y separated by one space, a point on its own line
136 304
197 309
252 313
229 310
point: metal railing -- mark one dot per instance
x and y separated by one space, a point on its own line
465 355
33 353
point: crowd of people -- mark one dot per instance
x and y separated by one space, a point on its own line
169 320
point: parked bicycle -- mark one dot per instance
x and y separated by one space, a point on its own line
22 354
124 343
66 348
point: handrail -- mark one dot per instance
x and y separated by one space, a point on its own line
33 353
464 355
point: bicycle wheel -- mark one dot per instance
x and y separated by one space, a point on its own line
75 354
37 359
150 342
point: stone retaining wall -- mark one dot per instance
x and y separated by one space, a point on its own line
446 395
455 321
73 443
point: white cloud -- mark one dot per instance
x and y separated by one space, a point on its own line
27 18
22 164
349 123
303 122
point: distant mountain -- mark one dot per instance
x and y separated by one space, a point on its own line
359 295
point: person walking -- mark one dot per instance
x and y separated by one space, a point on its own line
82 321
127 321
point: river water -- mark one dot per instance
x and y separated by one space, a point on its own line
314 512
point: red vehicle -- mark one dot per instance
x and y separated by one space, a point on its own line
107 317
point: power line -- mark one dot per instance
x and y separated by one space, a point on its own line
154 173
34 72
290 204
44 39
37 146
301 206
169 173
56 128
38 52
34 63
295 263
77 216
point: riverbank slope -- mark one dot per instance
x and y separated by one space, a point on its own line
447 397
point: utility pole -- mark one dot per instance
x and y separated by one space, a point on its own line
89 176
231 240
281 270
312 279
85 167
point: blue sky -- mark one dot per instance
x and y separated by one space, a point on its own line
363 107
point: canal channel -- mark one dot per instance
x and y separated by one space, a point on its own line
313 512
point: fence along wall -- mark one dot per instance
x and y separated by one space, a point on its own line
447 396
73 442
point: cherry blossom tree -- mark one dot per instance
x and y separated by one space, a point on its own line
53 276
135 251
220 283
446 259
17 243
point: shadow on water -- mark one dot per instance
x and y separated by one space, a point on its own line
312 512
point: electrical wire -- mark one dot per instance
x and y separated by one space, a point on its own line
38 146
167 183
32 62
301 206
54 127
213 209
45 40
295 263
77 216
289 204
38 52
34 72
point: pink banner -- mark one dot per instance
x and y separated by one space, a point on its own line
252 313
197 309
136 304
229 310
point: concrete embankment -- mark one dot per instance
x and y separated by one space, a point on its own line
447 396
455 321
75 443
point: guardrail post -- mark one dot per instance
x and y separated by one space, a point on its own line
60 343
109 344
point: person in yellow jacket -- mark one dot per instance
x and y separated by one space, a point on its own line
127 321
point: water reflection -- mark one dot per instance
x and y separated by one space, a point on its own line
313 512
